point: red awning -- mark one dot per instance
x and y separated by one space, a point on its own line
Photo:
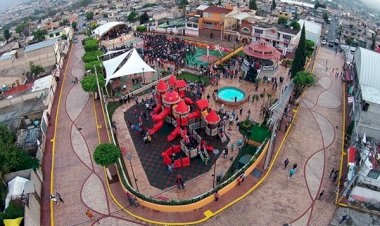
202 104
262 51
351 155
212 117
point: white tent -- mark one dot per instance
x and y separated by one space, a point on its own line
101 30
133 65
15 188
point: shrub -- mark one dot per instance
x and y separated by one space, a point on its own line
89 82
141 28
91 44
106 154
14 210
90 66
91 56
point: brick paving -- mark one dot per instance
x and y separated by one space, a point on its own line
82 183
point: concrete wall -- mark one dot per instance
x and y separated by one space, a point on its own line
369 123
20 99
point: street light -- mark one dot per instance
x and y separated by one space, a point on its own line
143 76
129 157
215 152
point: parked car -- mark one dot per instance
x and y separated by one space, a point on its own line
331 43
324 42
336 41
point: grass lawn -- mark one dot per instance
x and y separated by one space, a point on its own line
194 78
111 107
258 133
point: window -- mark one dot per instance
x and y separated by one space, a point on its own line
245 30
374 174
258 31
257 39
287 37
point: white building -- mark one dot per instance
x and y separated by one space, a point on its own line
313 30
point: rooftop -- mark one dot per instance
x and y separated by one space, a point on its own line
8 55
367 67
217 10
40 45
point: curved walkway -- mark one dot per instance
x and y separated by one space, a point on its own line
313 143
80 128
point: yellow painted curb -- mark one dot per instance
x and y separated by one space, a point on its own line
53 141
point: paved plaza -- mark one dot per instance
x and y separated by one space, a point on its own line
313 143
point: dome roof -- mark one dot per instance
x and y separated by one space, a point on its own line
182 108
212 118
172 80
162 87
171 97
180 83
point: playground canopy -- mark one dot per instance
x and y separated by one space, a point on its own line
103 29
133 65
262 51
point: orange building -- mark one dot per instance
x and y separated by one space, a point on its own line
212 23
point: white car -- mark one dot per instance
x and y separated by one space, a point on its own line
323 42
326 32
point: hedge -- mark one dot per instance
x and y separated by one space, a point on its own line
141 28
91 56
91 44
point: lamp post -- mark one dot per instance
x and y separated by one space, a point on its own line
215 152
143 76
129 157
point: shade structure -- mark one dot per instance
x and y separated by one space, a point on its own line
262 51
103 29
212 118
133 65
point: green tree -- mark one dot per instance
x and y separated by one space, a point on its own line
74 25
144 18
282 20
295 25
91 45
89 16
89 82
7 34
64 22
301 80
349 41
326 18
35 69
2 39
132 16
318 4
106 154
183 3
273 6
300 55
20 28
252 5
309 47
13 158
39 35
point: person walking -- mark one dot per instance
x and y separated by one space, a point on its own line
170 168
90 214
331 173
344 218
295 166
54 199
216 196
335 176
321 194
286 163
59 198
291 173
241 110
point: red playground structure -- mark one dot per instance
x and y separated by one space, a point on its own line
173 107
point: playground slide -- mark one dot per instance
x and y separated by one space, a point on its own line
182 93
174 133
188 101
162 115
156 127
157 109
195 114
